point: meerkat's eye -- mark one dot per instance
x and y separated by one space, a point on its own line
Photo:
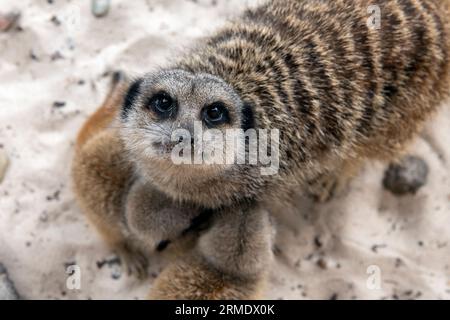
162 104
215 114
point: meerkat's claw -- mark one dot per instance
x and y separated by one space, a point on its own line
330 184
324 188
134 260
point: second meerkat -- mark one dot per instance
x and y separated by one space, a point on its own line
339 90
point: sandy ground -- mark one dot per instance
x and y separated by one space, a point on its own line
53 74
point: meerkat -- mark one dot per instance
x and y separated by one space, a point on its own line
340 91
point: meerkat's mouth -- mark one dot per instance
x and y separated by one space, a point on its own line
164 147
167 147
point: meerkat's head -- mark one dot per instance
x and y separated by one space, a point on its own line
175 109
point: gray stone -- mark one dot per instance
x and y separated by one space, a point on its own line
7 289
407 176
100 8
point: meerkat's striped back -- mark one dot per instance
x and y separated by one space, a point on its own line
331 81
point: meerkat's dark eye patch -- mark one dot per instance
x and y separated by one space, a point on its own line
215 114
130 97
248 119
162 104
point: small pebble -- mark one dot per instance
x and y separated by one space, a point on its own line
8 20
4 163
7 289
33 56
110 262
43 217
100 8
56 56
55 20
116 273
318 242
322 264
59 104
334 296
406 177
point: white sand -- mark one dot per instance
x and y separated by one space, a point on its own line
42 230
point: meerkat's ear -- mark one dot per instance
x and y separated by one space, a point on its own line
130 97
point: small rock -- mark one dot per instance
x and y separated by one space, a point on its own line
33 56
116 273
56 56
100 8
69 264
322 264
54 196
8 20
55 20
406 177
375 247
43 217
398 262
7 289
318 243
4 163
59 104
110 262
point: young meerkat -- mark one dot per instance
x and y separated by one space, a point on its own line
339 89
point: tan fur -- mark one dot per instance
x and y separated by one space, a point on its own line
339 91
200 282
101 177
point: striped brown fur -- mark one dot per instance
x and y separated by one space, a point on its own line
334 85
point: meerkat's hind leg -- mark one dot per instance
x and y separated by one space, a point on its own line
230 260
101 177
193 278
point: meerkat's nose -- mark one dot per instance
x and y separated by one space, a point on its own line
181 139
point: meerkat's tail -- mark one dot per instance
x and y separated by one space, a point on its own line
107 112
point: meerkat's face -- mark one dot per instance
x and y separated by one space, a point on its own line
174 108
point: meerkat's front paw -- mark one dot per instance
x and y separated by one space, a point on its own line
133 259
155 219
